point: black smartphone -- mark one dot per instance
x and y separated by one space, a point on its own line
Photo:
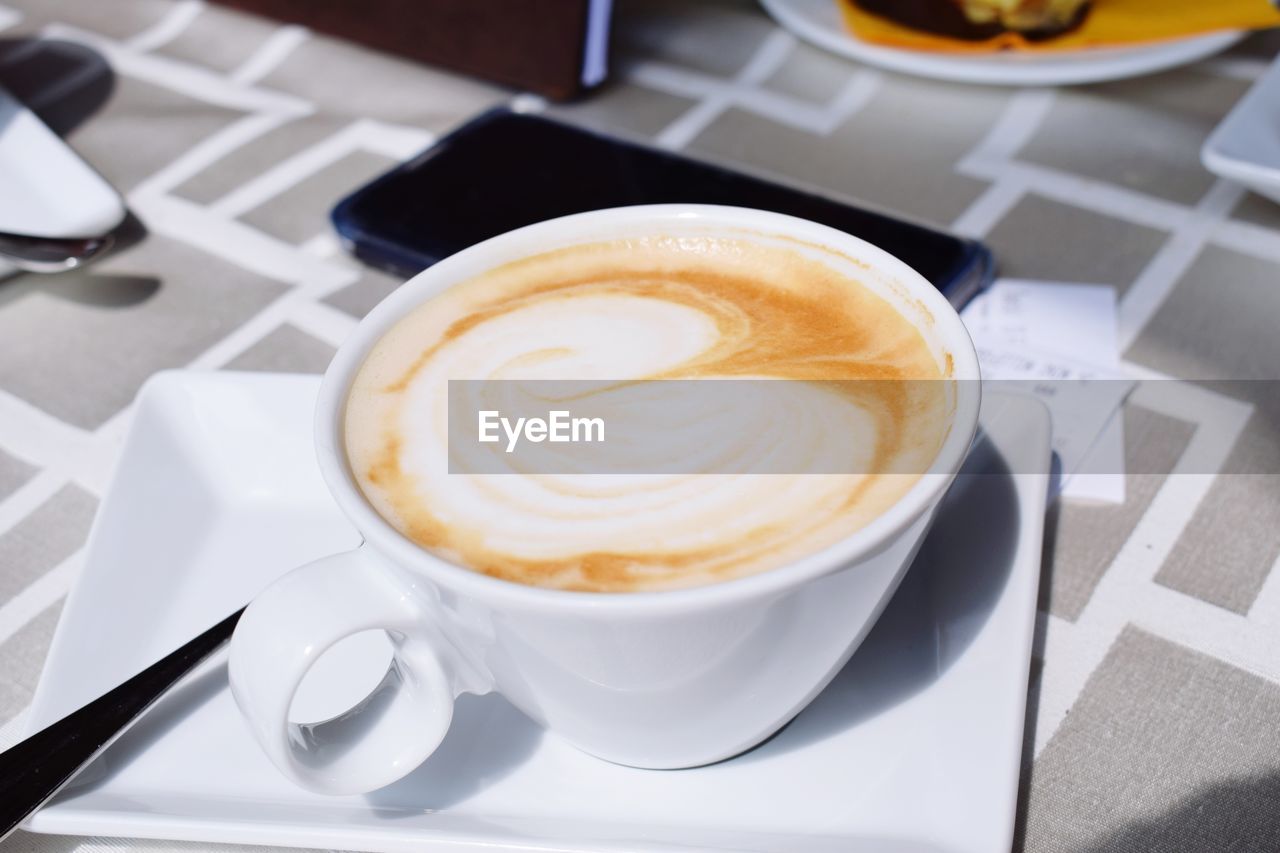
507 169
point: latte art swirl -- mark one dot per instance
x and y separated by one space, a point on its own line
657 308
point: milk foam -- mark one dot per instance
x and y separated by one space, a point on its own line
655 308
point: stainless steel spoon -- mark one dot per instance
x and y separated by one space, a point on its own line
36 769
51 254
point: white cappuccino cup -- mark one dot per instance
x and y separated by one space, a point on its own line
657 679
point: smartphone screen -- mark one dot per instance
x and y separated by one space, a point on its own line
505 170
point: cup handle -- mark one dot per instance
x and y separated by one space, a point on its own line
292 623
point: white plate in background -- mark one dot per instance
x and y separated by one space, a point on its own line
1245 147
915 747
820 22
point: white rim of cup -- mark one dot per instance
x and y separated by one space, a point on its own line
881 531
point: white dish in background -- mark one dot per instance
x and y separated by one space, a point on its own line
48 191
1245 147
819 22
915 746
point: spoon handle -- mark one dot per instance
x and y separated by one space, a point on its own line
37 768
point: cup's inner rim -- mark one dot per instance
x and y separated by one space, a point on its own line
934 325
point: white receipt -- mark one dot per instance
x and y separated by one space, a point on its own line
1075 321
1065 335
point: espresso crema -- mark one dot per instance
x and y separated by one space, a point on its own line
648 308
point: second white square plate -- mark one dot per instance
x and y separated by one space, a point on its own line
1245 146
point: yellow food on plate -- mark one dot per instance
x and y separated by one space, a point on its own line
984 26
1023 15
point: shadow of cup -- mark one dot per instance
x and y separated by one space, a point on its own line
489 738
940 606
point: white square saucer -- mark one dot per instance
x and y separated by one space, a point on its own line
914 747
1245 146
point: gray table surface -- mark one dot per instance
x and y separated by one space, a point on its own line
1155 692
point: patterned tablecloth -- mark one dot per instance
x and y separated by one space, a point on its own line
1155 694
